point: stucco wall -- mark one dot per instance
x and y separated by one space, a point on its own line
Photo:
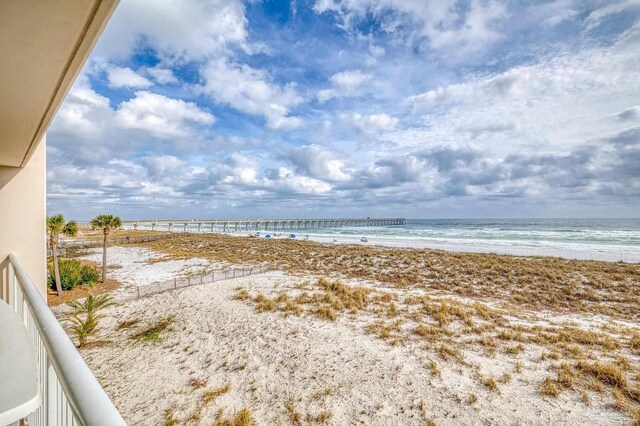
23 217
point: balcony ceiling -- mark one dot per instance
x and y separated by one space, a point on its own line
43 45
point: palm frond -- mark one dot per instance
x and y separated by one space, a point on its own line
70 228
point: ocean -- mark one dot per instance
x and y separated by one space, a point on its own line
593 239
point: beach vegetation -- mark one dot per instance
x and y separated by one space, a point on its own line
435 369
242 294
86 316
326 312
106 223
153 333
57 225
634 344
294 415
505 378
490 384
451 304
533 282
550 388
169 417
70 274
211 395
240 418
127 324
197 383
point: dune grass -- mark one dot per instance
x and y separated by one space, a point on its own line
452 305
532 282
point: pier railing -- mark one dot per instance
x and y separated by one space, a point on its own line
228 225
71 395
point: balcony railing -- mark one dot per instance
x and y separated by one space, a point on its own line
70 392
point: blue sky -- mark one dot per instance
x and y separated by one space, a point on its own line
413 108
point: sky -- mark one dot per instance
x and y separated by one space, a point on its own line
343 108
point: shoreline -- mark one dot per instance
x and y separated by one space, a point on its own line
565 253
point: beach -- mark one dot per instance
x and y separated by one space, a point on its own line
348 334
610 240
590 253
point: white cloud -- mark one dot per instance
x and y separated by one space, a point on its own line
372 123
349 79
554 13
126 77
250 91
161 75
563 123
175 29
162 165
610 8
288 181
631 113
318 162
345 83
559 102
161 116
449 28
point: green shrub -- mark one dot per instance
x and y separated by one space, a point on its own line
72 273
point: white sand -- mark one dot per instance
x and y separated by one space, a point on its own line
581 253
136 266
270 360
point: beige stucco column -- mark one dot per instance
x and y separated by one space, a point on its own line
23 213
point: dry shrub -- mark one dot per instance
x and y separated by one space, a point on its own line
344 296
514 349
429 332
448 352
264 304
153 332
550 388
533 282
196 383
608 374
242 294
241 418
326 312
565 376
212 394
491 384
634 343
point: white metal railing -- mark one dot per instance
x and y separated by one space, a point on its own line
70 392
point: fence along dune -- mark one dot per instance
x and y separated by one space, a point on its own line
198 279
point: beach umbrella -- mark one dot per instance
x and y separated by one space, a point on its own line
268 236
292 235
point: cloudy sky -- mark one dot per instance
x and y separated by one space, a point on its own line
413 108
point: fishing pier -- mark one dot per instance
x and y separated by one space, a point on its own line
234 225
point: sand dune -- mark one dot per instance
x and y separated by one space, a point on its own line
300 369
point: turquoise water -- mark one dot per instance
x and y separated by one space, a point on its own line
603 239
619 233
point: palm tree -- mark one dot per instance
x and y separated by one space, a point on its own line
56 226
85 317
106 222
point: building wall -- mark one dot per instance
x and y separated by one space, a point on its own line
23 219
